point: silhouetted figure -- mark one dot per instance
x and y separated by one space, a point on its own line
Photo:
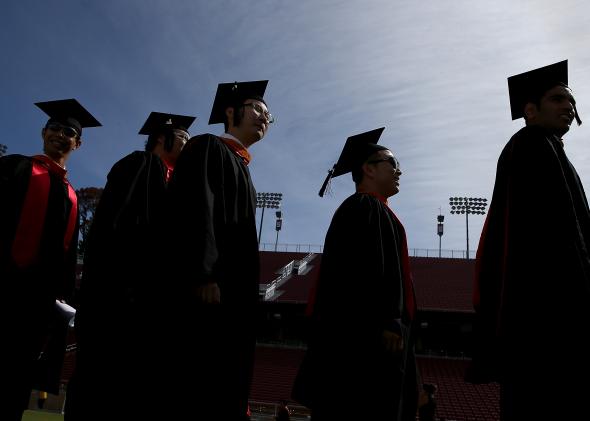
118 321
41 399
360 362
38 247
283 413
532 286
427 409
214 247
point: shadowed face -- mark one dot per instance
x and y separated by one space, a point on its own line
555 111
59 140
180 139
254 121
386 173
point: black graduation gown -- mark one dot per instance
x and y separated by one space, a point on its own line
532 287
29 293
123 242
213 205
117 320
346 371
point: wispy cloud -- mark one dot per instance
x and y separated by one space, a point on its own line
434 73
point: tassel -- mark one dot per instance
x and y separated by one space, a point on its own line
577 116
326 181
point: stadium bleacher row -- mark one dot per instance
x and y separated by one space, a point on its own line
443 291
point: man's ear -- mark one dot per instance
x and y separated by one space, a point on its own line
530 110
368 170
43 133
78 143
229 113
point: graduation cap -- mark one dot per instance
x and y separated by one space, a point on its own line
234 94
157 122
70 112
529 86
356 151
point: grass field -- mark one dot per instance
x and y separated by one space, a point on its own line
42 416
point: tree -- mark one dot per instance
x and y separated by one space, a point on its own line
88 198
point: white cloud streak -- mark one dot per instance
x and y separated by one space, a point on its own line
434 73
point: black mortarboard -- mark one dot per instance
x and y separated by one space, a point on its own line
356 151
529 86
234 94
159 121
70 112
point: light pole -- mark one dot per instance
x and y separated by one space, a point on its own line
3 149
439 230
267 200
468 205
278 226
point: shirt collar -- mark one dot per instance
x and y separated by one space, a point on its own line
51 165
64 167
382 199
232 137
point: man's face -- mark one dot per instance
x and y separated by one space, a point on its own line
59 140
555 111
254 122
180 139
386 174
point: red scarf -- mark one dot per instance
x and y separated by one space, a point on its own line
25 247
237 148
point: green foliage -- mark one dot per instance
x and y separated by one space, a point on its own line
88 198
41 416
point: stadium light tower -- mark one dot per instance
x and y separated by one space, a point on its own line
267 200
467 206
439 230
278 226
3 149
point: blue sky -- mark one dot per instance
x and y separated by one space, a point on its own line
433 73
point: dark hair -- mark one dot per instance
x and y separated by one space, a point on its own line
430 388
152 141
357 175
238 114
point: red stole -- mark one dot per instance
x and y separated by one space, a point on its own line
25 247
409 295
169 171
238 149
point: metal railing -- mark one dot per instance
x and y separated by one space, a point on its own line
318 248
287 247
447 254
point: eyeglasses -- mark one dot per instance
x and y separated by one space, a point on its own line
260 111
392 160
66 130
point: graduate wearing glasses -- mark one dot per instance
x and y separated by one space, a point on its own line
215 250
360 360
38 246
121 284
